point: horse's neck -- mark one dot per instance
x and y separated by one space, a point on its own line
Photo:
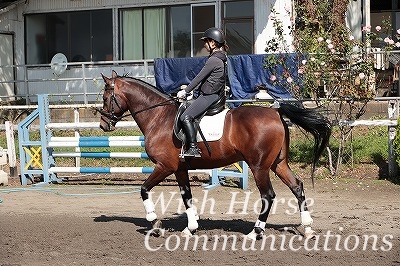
151 111
159 118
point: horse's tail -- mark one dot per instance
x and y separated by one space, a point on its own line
314 123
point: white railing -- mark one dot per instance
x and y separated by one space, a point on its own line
80 83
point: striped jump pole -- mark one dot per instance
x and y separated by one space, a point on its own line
102 141
102 170
37 156
112 141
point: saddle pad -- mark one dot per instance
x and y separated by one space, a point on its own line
212 126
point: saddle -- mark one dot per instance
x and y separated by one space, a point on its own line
214 109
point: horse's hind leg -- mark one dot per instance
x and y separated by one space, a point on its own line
267 194
283 171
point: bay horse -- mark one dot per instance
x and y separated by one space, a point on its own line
255 134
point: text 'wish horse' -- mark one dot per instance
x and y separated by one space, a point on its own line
254 134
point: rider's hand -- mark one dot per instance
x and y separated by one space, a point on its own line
181 94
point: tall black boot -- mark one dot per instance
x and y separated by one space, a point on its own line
191 141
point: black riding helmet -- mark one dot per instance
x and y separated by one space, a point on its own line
215 34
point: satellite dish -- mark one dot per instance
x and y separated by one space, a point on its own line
59 63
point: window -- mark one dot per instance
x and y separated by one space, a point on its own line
81 36
381 5
180 32
148 33
143 33
238 21
203 17
385 10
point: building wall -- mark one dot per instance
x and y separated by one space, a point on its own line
12 20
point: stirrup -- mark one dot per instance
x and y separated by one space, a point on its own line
192 152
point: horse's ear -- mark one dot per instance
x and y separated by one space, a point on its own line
106 80
114 74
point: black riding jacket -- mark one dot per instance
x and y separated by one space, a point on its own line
212 76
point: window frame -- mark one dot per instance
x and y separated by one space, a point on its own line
47 34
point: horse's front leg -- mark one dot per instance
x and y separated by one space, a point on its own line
158 175
182 178
267 194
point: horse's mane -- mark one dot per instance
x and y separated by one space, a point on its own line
146 85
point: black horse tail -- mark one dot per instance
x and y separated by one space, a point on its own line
313 122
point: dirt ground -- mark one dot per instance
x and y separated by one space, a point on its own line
356 222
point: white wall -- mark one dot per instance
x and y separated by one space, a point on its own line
264 29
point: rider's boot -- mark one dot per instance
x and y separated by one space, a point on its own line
191 143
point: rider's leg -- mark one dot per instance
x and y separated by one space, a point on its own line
198 107
191 140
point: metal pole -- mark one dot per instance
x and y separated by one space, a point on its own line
77 134
12 157
393 111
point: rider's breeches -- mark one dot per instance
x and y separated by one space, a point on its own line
199 106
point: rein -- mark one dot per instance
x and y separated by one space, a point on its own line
113 119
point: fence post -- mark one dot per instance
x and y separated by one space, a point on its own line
12 157
393 113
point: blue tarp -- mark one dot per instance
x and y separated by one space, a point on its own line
171 73
246 74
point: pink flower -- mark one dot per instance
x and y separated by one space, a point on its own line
273 77
351 37
397 44
387 40
328 41
300 71
398 31
320 39
289 80
366 28
330 46
378 28
304 61
361 75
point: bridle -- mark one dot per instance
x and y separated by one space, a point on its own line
113 119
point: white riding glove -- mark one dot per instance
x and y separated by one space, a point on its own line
181 94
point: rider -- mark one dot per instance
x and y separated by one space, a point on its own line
211 79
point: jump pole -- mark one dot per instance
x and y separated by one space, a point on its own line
37 157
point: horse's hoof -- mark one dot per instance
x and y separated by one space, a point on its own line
157 227
192 226
186 232
309 233
157 224
253 235
192 219
151 216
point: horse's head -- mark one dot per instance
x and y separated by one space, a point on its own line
114 104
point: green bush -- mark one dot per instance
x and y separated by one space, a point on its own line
367 145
